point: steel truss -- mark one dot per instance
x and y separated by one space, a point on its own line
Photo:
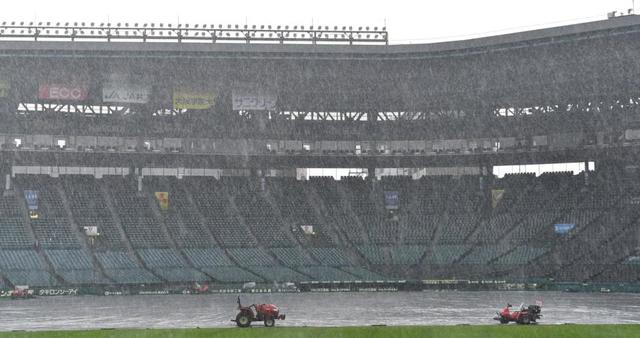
30 108
588 106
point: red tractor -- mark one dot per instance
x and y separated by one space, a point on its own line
522 315
267 313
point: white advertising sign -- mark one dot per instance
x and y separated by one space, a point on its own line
125 93
247 99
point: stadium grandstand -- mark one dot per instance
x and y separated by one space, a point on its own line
130 159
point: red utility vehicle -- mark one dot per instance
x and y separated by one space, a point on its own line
521 315
267 313
21 293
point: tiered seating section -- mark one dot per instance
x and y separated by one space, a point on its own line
241 229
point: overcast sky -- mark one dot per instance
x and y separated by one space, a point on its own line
406 21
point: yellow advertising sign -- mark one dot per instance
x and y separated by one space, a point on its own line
163 199
4 88
496 197
193 99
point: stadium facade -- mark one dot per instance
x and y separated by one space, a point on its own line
157 163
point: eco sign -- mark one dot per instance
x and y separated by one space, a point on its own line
63 92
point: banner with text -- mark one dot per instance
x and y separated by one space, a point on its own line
125 92
496 197
307 229
163 199
253 99
564 228
392 200
4 88
193 99
64 92
31 196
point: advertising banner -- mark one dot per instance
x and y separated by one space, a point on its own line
91 231
31 196
307 229
193 99
65 92
496 197
4 88
256 99
564 228
392 200
58 292
163 200
125 92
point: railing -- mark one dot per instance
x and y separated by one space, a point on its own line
144 32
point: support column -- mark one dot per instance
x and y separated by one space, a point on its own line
6 162
371 173
259 173
586 173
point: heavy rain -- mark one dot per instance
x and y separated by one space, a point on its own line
189 174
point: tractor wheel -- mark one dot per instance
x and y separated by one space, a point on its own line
243 319
526 320
504 320
269 321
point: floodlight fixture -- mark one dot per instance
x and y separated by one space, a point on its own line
186 32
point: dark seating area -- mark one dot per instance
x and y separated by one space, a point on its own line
239 229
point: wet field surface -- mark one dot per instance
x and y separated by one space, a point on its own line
312 309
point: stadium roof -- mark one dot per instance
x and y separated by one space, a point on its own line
623 24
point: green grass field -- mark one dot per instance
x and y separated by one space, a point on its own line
490 331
